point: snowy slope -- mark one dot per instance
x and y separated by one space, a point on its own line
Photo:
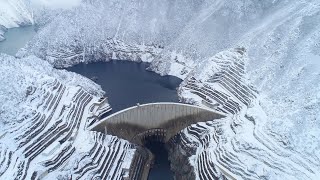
242 144
14 85
274 113
44 116
14 13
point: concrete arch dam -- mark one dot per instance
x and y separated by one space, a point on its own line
161 121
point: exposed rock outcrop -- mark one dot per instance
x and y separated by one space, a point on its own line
2 31
179 154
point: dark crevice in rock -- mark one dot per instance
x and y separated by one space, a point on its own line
178 157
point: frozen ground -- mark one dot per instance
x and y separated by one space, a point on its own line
44 116
270 87
14 13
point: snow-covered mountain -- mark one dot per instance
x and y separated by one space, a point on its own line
14 13
43 120
258 61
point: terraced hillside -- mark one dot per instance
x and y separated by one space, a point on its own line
49 138
270 88
236 146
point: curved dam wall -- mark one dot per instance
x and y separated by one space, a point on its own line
155 119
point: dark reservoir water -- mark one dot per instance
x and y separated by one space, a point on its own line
128 83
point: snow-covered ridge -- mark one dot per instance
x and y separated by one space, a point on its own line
93 31
110 49
14 86
44 116
237 146
14 13
197 40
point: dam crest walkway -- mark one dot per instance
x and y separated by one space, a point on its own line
164 119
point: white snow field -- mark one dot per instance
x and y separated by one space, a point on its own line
257 61
17 13
14 13
44 115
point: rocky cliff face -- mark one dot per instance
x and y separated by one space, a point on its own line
179 154
2 31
